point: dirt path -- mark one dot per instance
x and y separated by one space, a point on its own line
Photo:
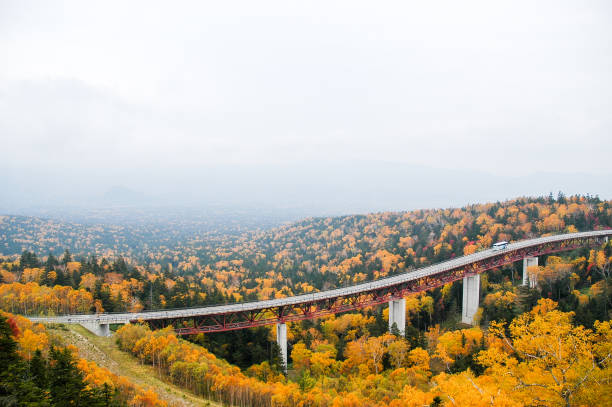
105 353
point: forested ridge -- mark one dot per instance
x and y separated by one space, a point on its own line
352 359
127 233
311 255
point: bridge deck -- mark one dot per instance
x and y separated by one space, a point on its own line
432 270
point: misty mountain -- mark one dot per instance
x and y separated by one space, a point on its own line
123 196
305 190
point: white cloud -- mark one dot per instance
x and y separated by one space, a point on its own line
503 88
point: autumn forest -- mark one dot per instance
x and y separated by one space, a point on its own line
545 345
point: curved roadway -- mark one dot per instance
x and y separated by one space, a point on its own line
122 318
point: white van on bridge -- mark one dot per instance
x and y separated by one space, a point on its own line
500 245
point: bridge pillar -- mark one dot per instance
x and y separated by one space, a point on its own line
281 340
397 315
528 262
471 298
96 328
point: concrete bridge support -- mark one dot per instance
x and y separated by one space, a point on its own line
528 262
281 340
397 315
471 298
96 328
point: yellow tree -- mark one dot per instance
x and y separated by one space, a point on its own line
300 355
418 358
602 393
398 353
427 304
412 397
464 389
457 344
88 281
322 363
147 398
375 349
545 359
29 342
355 354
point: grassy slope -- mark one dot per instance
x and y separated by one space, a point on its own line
105 353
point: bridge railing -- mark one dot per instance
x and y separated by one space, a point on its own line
332 293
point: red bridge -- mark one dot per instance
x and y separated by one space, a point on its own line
392 290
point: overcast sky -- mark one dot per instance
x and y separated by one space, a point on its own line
126 91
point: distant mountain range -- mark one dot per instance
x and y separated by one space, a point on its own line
123 195
309 190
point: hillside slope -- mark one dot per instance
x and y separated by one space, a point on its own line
105 353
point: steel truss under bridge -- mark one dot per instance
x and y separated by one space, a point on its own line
307 306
